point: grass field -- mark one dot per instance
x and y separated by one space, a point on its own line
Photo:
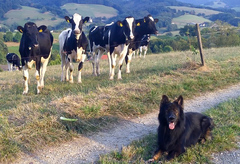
187 18
236 9
91 10
225 136
197 10
29 13
29 122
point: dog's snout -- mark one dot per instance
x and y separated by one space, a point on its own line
171 117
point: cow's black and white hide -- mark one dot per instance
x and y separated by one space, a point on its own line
73 44
13 61
113 39
143 27
35 47
143 46
98 38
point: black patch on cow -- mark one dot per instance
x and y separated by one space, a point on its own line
178 130
14 59
80 66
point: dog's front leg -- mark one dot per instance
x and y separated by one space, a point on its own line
156 156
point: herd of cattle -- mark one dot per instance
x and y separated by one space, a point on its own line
121 38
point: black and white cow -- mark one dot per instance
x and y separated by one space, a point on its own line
114 39
98 38
35 47
143 46
72 45
13 61
144 26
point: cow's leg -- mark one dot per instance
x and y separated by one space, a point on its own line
80 66
63 64
113 61
100 54
69 67
43 70
9 66
94 63
37 74
109 63
25 78
145 51
140 50
130 52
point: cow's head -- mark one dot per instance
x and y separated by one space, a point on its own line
128 25
77 23
30 32
147 25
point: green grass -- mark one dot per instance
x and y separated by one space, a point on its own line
187 18
91 10
14 49
197 10
29 122
21 17
226 135
236 9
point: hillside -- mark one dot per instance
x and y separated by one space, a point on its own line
21 16
188 19
91 10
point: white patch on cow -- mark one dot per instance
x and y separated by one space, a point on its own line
151 18
109 24
79 54
130 22
26 78
43 70
94 29
10 66
77 18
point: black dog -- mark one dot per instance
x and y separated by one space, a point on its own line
178 130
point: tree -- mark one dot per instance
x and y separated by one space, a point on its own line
17 37
8 37
3 52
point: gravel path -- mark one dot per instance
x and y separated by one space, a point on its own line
88 149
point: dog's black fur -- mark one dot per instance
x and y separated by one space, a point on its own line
178 130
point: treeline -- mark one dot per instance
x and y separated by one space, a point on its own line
221 36
3 50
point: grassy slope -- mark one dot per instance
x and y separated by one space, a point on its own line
91 10
20 17
184 19
28 122
197 10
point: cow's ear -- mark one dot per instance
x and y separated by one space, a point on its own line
138 23
119 23
67 19
87 19
20 29
164 99
42 28
155 20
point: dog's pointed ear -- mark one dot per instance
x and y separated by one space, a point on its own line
164 99
180 101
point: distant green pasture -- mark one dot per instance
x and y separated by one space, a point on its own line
91 10
197 10
187 18
236 9
29 13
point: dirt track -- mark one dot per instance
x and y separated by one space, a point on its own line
86 149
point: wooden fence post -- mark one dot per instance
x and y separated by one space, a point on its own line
200 44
